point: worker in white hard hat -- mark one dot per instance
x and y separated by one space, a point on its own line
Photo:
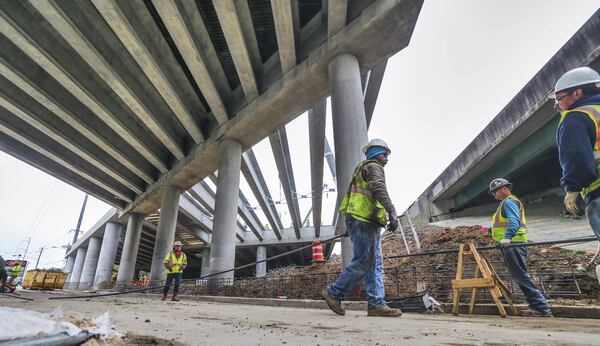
367 206
509 227
577 97
175 262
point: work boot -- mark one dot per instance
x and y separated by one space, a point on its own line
164 296
175 297
535 313
334 304
384 311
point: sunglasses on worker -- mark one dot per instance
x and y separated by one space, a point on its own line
560 98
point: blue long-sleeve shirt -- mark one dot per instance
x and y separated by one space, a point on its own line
575 138
511 211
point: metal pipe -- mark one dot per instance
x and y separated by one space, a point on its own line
414 232
62 339
403 237
13 295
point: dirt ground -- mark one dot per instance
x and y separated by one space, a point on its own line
151 321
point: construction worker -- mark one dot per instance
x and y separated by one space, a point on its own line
2 274
509 226
577 97
175 262
365 206
16 271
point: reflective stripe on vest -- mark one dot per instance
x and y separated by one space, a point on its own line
500 223
359 200
593 112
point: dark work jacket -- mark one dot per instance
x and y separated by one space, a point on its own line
575 138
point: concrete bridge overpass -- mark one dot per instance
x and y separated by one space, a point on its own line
519 143
136 102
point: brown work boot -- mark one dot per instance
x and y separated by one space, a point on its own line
384 311
334 304
534 313
164 296
175 297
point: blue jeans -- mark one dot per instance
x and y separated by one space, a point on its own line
170 278
592 212
515 259
367 263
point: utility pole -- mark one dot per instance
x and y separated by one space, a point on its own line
80 219
26 248
40 255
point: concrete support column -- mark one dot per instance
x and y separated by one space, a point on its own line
130 249
77 267
89 266
69 266
349 129
261 254
205 269
165 234
108 253
222 253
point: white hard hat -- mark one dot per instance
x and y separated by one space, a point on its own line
177 243
498 183
576 77
376 142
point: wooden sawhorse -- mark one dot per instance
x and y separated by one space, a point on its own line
489 279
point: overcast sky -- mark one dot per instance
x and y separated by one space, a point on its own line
465 61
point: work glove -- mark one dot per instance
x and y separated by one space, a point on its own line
571 202
393 224
505 243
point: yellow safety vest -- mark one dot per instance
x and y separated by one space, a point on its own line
593 112
16 270
500 223
176 263
359 201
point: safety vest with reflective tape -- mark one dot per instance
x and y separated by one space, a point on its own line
176 263
593 112
500 223
359 201
16 270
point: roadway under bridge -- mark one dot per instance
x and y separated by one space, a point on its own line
140 103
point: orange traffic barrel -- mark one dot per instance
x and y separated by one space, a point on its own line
317 251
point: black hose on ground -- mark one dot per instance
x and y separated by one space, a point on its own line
12 295
146 289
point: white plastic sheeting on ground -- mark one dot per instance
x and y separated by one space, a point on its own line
20 323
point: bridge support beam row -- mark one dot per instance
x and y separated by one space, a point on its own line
108 252
130 248
222 254
90 263
165 234
349 129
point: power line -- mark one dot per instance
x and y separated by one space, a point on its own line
41 212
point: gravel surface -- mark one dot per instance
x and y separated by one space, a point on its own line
151 321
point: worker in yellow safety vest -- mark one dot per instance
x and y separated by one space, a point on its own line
366 206
577 98
15 272
175 262
509 226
